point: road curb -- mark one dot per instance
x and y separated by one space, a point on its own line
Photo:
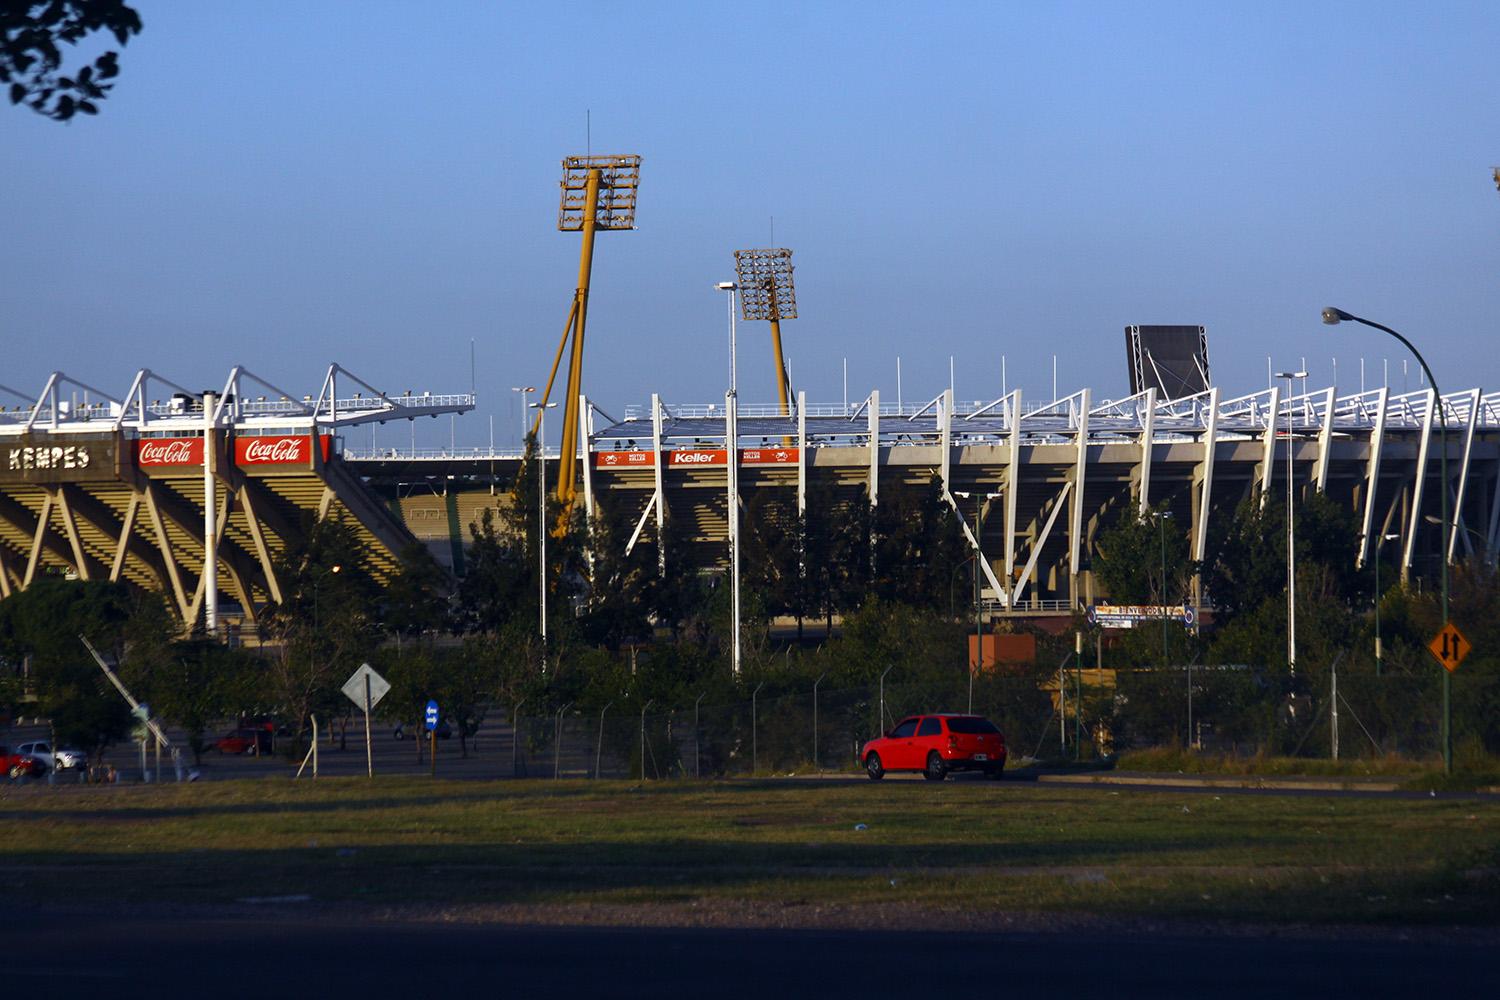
1234 781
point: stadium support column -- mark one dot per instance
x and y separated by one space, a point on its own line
1205 494
1463 478
1268 464
801 453
210 517
1075 521
1148 430
1325 442
874 415
1012 490
1419 482
661 497
1372 474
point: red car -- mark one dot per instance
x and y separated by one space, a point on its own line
20 765
936 745
242 741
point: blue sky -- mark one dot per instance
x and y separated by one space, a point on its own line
283 185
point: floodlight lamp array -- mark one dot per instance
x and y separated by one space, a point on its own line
766 287
619 178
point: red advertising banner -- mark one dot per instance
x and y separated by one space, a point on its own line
624 459
768 456
289 449
698 456
155 453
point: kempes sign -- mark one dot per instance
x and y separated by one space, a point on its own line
153 453
43 459
284 450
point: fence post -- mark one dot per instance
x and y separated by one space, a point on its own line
599 753
643 737
697 738
557 741
754 743
816 766
515 739
880 723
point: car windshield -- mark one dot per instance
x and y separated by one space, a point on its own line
971 726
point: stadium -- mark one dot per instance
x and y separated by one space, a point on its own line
195 493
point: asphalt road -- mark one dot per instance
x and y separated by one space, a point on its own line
121 955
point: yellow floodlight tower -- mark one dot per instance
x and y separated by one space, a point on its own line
1497 177
598 193
768 292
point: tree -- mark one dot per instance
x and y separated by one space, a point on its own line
43 623
31 35
1129 556
323 628
416 599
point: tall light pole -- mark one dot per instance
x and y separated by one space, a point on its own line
1332 316
1291 534
541 518
979 499
525 391
732 478
1379 541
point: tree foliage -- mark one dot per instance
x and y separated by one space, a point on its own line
32 36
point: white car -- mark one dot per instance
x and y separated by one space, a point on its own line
66 758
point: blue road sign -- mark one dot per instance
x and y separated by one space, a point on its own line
432 715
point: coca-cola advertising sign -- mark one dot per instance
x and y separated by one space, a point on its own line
287 449
158 452
625 459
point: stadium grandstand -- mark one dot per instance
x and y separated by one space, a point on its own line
196 493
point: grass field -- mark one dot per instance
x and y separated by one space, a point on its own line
955 848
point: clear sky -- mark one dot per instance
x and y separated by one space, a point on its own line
287 184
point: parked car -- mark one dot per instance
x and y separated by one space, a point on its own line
65 759
244 741
936 745
20 765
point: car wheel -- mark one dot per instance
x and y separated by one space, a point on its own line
935 770
874 768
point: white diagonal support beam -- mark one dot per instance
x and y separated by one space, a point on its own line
1419 483
1041 540
1372 475
1463 479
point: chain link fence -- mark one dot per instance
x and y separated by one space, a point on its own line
797 728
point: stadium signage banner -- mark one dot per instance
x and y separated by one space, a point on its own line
625 459
285 451
698 456
73 459
156 453
1131 615
769 456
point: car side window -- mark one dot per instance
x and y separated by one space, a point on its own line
905 729
930 727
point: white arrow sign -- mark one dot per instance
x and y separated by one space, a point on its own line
354 687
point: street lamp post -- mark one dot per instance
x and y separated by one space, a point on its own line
732 469
1291 534
1332 316
979 499
541 519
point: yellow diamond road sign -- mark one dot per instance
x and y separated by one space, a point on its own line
1449 646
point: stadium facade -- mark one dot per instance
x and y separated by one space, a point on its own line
197 493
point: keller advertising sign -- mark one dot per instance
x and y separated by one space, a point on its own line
686 458
720 456
273 453
625 459
152 454
72 458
